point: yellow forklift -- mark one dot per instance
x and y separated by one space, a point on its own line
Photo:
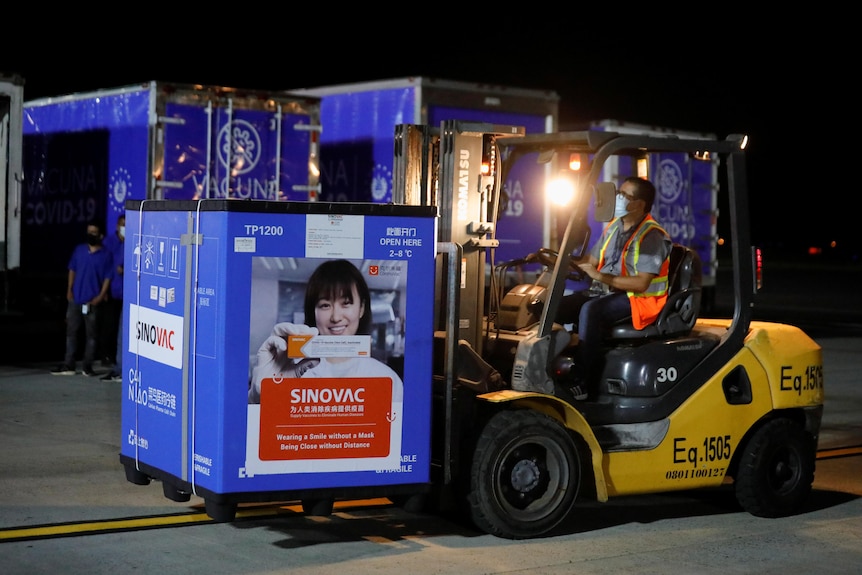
688 402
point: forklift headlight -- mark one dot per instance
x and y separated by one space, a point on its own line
560 191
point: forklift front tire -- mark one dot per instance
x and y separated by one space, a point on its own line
525 475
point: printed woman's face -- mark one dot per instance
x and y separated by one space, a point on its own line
340 316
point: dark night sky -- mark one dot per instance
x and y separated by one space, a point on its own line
707 78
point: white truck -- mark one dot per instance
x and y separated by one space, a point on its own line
357 142
86 154
356 159
11 113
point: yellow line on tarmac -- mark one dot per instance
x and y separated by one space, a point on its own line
109 525
839 452
139 523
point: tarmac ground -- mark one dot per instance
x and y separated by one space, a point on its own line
66 506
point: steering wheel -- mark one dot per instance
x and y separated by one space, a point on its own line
548 258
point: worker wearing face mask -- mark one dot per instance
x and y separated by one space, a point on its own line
89 279
629 268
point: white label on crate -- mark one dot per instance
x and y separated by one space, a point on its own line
156 335
334 236
245 245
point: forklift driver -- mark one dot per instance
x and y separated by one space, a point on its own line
629 269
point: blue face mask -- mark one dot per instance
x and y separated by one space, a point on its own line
621 207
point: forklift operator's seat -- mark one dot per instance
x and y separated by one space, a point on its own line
683 301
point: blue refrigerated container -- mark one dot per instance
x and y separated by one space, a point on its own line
357 141
85 154
209 284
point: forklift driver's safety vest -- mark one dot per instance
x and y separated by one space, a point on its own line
646 305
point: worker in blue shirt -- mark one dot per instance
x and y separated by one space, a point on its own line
89 280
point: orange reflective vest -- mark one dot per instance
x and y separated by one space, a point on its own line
648 304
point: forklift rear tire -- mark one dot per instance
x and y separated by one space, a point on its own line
776 470
525 475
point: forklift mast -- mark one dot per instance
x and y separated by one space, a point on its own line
457 168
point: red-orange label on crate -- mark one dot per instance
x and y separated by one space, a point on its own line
325 418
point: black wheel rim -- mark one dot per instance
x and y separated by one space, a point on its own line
531 478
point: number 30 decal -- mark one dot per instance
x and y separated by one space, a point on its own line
666 374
